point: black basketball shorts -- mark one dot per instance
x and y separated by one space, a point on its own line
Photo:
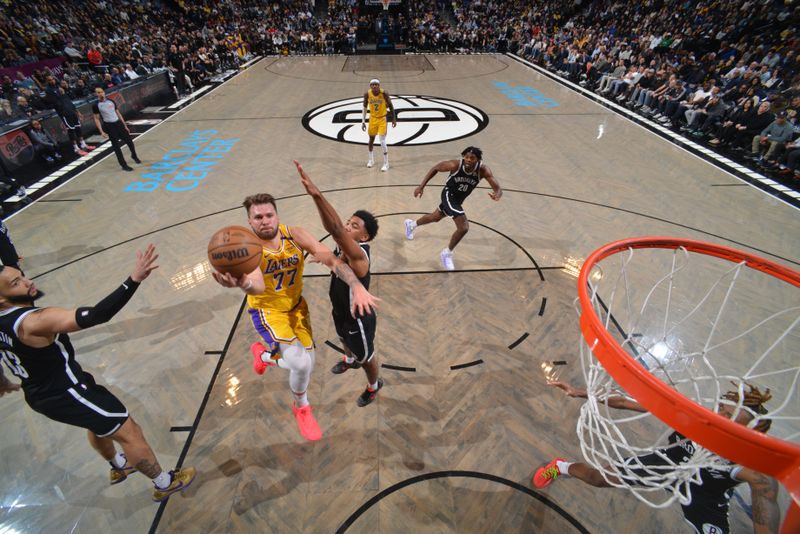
450 205
706 519
86 405
358 334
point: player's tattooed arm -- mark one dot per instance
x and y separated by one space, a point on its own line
363 302
346 274
764 492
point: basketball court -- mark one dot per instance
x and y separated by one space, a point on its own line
465 415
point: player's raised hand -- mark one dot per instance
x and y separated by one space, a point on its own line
145 263
305 179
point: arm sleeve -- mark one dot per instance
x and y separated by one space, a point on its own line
107 308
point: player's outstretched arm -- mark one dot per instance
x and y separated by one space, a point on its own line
333 224
486 173
442 166
42 325
764 497
363 302
618 402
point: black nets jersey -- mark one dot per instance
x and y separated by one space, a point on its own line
461 183
717 484
339 291
43 371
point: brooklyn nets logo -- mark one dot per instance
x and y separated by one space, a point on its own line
421 120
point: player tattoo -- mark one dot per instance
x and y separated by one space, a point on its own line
148 468
765 509
346 274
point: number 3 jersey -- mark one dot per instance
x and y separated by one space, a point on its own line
50 369
283 275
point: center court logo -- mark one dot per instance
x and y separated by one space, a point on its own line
421 120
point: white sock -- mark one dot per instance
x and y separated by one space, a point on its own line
300 399
374 386
385 158
349 359
163 480
119 460
563 467
371 157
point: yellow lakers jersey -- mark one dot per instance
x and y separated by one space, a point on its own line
283 275
377 106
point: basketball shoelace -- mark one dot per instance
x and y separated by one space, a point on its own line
551 473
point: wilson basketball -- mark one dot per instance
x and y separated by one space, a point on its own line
235 250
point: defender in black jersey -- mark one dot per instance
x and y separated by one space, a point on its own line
707 513
464 177
356 331
34 345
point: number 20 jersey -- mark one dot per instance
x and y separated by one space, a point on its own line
461 183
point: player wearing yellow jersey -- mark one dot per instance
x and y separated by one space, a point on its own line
378 103
276 304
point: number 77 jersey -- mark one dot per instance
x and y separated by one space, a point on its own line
283 276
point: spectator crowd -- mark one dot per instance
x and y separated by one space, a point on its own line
724 73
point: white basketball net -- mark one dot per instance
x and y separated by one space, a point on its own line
691 323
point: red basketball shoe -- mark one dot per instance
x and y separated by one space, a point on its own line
547 473
259 365
309 428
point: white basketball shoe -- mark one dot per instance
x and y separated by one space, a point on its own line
447 259
410 227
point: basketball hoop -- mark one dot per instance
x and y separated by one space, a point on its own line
386 4
668 326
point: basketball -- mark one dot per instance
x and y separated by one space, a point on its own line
235 250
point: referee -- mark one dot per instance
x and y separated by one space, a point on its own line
110 124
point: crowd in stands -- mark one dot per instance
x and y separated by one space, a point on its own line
724 73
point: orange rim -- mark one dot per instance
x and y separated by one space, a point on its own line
772 456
